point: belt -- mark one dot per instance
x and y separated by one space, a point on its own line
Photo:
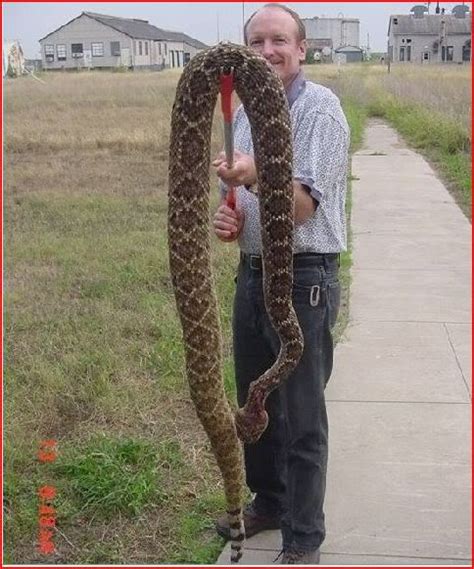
300 260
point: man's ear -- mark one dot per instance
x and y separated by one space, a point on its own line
302 49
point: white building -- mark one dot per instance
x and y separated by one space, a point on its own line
97 40
430 38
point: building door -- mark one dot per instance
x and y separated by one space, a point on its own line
125 58
447 53
88 58
172 58
466 51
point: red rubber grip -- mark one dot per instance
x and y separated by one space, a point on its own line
227 86
230 198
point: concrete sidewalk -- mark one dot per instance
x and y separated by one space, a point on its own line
399 398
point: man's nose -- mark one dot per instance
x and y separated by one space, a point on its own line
267 49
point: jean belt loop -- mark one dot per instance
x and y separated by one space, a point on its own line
327 263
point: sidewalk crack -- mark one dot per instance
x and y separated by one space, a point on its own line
457 359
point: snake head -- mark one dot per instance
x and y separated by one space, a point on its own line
250 426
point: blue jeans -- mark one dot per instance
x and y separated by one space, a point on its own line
286 468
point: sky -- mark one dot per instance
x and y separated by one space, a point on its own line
208 22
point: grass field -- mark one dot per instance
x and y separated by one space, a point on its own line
93 356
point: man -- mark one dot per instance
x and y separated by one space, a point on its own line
286 468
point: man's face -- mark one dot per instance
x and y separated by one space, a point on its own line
274 34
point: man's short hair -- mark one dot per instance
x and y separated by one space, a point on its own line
301 35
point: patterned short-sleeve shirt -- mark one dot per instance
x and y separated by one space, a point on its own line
320 162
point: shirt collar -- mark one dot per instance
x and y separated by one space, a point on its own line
295 87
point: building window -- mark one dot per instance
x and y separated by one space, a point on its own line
187 58
395 21
408 52
402 54
76 50
97 49
159 48
166 49
146 48
114 48
426 56
408 40
140 48
61 51
49 53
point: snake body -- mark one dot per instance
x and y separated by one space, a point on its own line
264 100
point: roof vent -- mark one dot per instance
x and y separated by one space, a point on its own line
419 10
460 11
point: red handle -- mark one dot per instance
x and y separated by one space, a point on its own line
227 86
230 198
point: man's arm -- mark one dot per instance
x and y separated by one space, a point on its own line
244 172
320 153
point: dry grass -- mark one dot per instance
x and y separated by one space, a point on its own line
93 343
444 90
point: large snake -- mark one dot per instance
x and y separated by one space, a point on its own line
262 94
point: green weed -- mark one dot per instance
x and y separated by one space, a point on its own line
115 476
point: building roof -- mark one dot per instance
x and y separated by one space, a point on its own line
430 24
348 49
325 19
138 29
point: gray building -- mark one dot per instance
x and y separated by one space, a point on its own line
98 41
348 54
326 35
430 38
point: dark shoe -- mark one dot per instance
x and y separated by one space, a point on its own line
254 523
295 557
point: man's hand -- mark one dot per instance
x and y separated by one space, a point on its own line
228 223
242 173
